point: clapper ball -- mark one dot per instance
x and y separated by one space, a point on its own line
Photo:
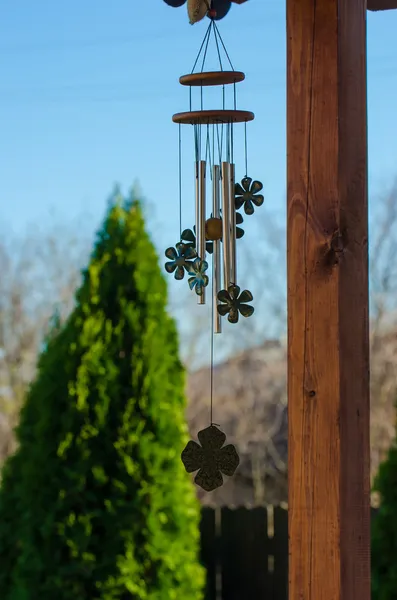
213 229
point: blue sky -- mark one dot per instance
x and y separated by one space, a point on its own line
88 89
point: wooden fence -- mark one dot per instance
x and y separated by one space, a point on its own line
245 552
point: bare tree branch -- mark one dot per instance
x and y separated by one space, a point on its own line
39 273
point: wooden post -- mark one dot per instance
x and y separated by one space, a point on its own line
328 370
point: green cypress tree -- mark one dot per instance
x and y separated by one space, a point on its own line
384 531
96 503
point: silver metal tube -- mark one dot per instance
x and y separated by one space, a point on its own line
216 274
226 223
200 216
233 256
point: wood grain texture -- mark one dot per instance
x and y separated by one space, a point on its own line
381 4
207 117
210 78
327 247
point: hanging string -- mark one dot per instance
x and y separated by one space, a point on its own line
217 34
220 142
223 140
206 46
212 341
213 143
207 34
246 148
217 47
198 152
180 181
196 142
212 27
228 143
212 351
232 142
208 157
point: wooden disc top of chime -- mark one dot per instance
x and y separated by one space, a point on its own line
205 79
217 116
212 117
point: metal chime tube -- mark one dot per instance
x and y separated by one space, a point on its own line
226 223
200 216
216 281
233 257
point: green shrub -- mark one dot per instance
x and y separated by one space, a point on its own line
384 532
96 503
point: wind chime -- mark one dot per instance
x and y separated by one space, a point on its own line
216 231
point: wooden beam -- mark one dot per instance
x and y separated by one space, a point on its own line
328 363
381 4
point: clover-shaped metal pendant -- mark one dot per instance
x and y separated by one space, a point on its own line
210 459
234 303
189 235
246 194
198 280
180 259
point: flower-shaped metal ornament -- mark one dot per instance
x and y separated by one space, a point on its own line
180 259
198 280
234 303
246 194
210 459
189 235
239 220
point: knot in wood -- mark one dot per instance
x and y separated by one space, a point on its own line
337 244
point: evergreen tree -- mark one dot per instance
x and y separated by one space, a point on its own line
96 504
384 531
